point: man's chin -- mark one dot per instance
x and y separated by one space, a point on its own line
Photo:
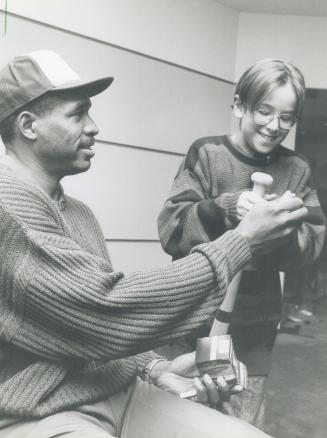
80 168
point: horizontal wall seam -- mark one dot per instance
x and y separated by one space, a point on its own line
125 49
140 148
134 240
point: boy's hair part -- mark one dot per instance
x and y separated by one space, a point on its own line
264 77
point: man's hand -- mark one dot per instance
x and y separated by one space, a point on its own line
181 375
269 222
245 203
247 200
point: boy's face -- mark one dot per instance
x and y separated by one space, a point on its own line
278 108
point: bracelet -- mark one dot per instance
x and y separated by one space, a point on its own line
149 367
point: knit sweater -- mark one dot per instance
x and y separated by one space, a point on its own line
69 324
202 205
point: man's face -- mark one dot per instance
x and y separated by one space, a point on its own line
66 136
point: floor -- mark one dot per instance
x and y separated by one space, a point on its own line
297 390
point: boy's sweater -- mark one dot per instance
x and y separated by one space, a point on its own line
202 206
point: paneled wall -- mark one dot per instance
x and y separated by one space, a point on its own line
301 40
198 34
297 39
173 63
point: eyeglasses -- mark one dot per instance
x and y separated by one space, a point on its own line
263 116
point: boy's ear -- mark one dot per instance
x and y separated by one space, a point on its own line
238 108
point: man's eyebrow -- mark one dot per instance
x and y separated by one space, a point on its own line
84 105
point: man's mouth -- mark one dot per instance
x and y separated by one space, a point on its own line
87 144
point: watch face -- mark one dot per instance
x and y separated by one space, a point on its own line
148 368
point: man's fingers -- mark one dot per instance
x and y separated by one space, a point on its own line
224 389
297 215
250 197
236 389
241 212
201 390
246 205
288 202
254 198
209 392
270 196
212 393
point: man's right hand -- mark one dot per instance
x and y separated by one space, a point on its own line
269 222
246 202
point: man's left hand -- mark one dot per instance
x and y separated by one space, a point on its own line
181 375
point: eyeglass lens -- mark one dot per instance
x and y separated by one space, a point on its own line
286 121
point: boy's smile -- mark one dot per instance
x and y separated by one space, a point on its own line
254 138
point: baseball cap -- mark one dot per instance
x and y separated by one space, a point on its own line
30 75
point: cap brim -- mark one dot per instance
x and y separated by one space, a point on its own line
92 87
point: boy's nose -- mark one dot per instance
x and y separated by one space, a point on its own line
274 123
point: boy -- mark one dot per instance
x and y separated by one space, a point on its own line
212 192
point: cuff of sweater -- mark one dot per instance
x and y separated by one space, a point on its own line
143 359
231 206
231 248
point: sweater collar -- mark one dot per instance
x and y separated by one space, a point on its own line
61 199
259 161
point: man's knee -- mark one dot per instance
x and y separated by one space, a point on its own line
154 412
72 424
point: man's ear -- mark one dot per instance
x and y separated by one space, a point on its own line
238 107
26 123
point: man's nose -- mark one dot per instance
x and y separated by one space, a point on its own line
90 127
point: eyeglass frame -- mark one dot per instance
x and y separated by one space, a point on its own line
273 115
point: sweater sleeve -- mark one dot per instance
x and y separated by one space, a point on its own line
143 359
305 244
190 215
64 303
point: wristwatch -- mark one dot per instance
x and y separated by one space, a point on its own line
148 368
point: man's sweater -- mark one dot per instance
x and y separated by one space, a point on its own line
202 205
69 324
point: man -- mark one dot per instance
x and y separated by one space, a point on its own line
74 333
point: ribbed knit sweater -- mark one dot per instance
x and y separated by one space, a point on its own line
202 205
72 330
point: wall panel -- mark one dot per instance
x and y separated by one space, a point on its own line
199 34
150 104
155 108
301 40
126 189
137 256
